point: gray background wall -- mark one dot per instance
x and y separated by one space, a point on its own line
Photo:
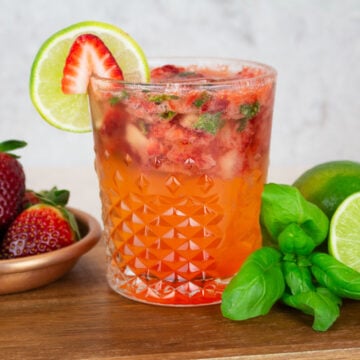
314 45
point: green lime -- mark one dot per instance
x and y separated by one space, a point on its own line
344 237
328 184
70 112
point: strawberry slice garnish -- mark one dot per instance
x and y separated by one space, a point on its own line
87 56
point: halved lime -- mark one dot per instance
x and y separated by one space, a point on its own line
344 237
70 112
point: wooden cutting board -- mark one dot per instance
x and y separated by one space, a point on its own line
79 317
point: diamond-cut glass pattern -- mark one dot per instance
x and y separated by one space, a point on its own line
161 248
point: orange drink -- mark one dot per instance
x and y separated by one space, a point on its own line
181 163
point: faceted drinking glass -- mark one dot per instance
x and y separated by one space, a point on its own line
181 163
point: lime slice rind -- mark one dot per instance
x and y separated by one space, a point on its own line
71 112
344 237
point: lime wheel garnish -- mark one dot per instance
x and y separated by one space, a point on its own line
56 59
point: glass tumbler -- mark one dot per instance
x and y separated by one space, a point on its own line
181 163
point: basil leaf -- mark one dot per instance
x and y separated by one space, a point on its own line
210 123
294 240
116 99
283 205
256 287
188 74
297 278
168 115
158 99
250 110
321 303
202 99
336 276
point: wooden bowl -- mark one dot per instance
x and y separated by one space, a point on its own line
31 272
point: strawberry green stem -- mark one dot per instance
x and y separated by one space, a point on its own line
10 145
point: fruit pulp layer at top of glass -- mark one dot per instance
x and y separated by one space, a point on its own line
189 120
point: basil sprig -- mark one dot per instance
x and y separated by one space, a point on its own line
291 269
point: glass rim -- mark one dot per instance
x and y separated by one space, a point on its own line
269 74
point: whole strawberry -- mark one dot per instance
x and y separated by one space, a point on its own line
30 198
12 183
39 229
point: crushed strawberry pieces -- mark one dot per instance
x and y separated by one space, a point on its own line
166 72
194 131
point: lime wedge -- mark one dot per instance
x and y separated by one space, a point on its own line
70 112
344 239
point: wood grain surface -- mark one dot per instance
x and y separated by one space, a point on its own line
79 317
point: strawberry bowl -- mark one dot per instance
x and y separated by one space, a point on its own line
31 272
